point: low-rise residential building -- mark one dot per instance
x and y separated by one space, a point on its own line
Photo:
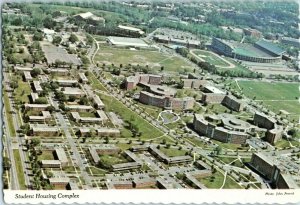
98 102
79 108
37 86
83 78
71 91
59 183
59 71
66 83
43 130
36 107
145 182
34 97
27 76
94 155
112 132
169 160
62 157
46 116
51 164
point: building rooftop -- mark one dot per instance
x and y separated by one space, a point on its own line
131 29
127 41
270 46
61 155
213 89
72 91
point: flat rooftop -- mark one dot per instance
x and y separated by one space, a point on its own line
123 41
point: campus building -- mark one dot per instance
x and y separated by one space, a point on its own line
208 129
169 160
261 52
189 43
252 32
272 170
46 116
37 86
150 79
43 130
213 95
27 76
36 107
79 108
83 78
89 18
291 41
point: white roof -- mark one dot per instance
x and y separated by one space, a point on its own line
123 41
131 29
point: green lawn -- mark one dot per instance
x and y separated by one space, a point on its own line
196 141
282 144
210 58
20 170
95 171
95 82
228 145
112 105
87 114
215 181
154 59
10 126
172 152
123 146
112 159
46 155
23 91
231 184
283 95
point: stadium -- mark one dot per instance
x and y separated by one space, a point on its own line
262 51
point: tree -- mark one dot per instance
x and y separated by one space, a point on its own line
218 150
83 100
56 40
72 98
50 108
35 72
6 163
73 38
35 142
41 100
37 36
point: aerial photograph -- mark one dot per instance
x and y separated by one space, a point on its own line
101 95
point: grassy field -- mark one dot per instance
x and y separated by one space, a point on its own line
147 130
10 126
215 181
112 159
95 171
95 82
87 114
154 59
275 96
231 184
19 168
210 58
23 91
46 155
172 152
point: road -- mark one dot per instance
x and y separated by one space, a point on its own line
74 149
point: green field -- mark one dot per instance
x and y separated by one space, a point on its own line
94 82
275 96
147 130
46 155
154 59
23 91
112 159
210 58
172 152
10 126
215 181
19 168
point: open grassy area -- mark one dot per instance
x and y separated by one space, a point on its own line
112 159
20 170
87 114
23 91
276 96
227 145
196 142
231 184
46 155
123 146
210 58
154 59
112 105
215 181
10 126
172 152
95 82
95 171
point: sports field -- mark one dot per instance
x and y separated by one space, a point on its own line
211 58
275 96
153 59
